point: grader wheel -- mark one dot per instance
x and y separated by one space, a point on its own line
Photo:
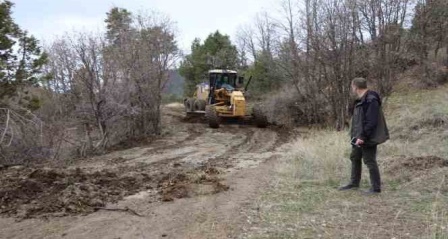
212 117
260 119
199 105
189 105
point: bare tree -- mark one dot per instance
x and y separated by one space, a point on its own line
384 20
325 44
114 88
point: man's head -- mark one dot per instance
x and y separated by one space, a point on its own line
359 86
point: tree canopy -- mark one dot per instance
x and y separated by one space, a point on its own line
21 58
217 51
429 27
118 22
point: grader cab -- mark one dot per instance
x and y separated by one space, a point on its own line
223 97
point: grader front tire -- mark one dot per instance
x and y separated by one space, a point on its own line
212 117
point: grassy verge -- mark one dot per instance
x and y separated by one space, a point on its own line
304 202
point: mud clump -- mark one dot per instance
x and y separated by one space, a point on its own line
209 170
202 181
174 186
28 192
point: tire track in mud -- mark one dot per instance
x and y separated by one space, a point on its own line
225 149
198 151
192 134
258 146
193 162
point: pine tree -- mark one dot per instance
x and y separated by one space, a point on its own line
217 51
118 22
21 58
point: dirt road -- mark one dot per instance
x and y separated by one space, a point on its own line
191 183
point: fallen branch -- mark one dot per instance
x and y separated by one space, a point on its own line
6 125
16 120
6 166
126 209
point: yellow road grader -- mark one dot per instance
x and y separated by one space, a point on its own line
223 97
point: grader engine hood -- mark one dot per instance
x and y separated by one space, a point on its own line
238 103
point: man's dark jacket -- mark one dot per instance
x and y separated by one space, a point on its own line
368 122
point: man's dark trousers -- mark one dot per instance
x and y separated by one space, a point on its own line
368 154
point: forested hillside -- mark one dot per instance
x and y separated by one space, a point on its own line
96 143
311 52
97 90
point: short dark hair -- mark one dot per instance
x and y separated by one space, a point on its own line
360 83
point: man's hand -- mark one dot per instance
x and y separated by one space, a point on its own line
359 142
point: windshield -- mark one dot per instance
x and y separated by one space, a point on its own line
223 79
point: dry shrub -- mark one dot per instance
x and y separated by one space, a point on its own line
288 108
21 136
426 76
441 76
432 75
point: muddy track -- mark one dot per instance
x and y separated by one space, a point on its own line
191 165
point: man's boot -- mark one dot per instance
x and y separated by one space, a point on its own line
348 187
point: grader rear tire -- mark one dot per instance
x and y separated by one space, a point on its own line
189 105
212 117
199 105
260 119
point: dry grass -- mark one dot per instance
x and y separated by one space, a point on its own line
418 123
304 202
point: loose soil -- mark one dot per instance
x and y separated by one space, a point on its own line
415 163
33 192
410 168
187 182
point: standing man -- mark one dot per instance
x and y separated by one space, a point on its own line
368 130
